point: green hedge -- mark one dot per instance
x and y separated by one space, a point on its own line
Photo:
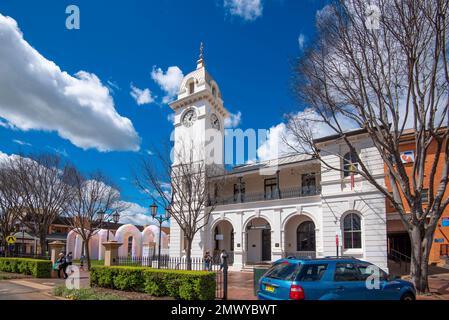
179 284
33 267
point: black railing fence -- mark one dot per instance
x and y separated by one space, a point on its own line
216 265
285 193
403 260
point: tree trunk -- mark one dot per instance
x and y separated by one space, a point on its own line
87 252
42 242
421 245
189 254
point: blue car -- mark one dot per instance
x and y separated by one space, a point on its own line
330 279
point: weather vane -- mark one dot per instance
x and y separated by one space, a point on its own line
201 50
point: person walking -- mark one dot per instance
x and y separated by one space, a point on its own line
62 265
207 261
82 259
69 258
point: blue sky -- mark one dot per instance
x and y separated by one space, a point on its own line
250 46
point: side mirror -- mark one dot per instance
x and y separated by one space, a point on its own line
392 277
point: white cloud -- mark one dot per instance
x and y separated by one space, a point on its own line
301 41
61 152
142 96
169 81
22 143
35 94
171 117
249 10
233 120
137 215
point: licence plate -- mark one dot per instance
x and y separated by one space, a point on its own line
269 288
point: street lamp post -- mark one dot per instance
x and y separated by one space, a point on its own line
160 219
115 218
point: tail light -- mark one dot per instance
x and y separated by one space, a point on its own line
296 292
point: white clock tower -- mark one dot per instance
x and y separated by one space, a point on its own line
199 116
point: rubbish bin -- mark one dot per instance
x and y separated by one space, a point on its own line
258 272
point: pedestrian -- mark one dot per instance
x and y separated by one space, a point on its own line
82 258
69 258
223 255
61 265
207 261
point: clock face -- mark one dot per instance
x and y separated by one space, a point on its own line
214 121
189 118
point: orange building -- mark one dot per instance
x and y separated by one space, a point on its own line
398 238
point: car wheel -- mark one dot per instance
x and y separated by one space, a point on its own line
408 296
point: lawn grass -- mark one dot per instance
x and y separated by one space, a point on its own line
92 262
84 294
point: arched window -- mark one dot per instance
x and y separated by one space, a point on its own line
191 87
352 230
214 92
349 161
130 246
305 236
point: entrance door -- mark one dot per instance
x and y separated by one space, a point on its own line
266 245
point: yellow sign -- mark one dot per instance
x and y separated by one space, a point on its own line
11 239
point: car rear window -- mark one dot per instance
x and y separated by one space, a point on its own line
312 272
283 271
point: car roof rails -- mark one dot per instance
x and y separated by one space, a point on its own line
340 257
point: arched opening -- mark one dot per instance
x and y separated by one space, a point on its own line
223 239
305 236
130 246
131 239
149 238
258 241
300 237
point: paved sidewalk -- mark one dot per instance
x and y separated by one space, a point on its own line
240 286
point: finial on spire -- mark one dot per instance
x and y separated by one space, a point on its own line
200 62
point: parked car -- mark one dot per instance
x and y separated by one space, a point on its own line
330 279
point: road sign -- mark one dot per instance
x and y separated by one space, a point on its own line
11 239
445 222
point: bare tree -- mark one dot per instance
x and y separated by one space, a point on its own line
382 66
93 200
187 185
41 184
9 203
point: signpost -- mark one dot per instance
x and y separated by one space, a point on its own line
337 241
445 222
11 239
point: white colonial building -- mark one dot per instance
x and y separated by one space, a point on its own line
298 209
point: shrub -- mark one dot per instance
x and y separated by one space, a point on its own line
179 284
83 294
33 267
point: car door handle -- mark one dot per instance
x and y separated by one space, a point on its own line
340 288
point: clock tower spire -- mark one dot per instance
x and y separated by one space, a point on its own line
199 113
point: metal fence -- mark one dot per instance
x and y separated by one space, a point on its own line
219 267
285 193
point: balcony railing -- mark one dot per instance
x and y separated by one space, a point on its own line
287 193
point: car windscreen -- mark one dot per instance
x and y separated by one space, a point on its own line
283 271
